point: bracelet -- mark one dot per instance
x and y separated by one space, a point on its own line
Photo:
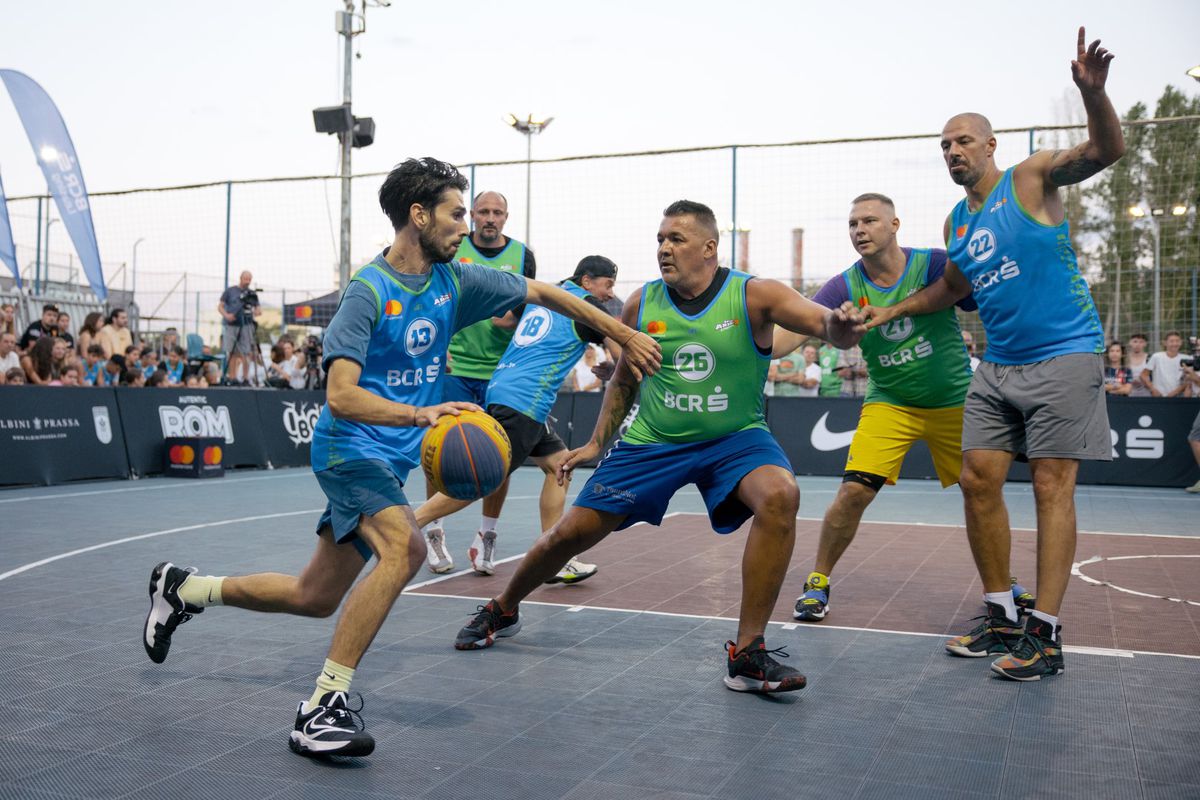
630 339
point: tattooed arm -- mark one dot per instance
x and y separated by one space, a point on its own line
619 397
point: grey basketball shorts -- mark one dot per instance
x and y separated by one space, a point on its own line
1049 409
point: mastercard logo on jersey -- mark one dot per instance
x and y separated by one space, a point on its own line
656 326
393 308
960 231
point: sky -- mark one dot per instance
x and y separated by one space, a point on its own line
158 94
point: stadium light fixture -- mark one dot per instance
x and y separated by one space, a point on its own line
1178 210
527 127
1137 212
1194 72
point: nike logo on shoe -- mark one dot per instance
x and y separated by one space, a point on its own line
824 439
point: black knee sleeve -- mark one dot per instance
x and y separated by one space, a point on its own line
872 482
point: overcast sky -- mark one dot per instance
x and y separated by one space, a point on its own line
159 93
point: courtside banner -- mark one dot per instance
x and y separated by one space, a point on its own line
55 154
287 419
8 251
149 416
53 434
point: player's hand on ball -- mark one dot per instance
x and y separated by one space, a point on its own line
428 415
574 458
643 355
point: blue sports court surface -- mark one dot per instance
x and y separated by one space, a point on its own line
613 687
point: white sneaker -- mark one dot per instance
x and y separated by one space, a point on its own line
436 554
483 553
1194 488
574 571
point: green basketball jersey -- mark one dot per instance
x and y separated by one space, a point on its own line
475 350
712 376
917 361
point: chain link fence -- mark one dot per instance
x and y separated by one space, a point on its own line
782 208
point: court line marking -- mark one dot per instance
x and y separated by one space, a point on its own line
151 535
156 485
789 626
570 606
1077 571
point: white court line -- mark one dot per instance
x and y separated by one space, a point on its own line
790 626
156 486
1077 571
1030 530
200 526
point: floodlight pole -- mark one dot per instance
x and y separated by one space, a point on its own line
346 29
528 127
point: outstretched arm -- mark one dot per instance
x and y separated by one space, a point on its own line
1105 143
772 303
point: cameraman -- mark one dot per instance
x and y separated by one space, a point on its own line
239 307
313 355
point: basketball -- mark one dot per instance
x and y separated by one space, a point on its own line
465 457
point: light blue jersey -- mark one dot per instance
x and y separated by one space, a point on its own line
544 348
397 327
1033 301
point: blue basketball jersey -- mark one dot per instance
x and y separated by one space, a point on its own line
1033 301
544 348
404 361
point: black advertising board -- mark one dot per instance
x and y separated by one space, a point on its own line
150 416
52 434
193 457
287 421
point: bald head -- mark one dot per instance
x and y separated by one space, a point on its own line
978 124
489 212
244 279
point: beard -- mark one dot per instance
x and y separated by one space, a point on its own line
432 249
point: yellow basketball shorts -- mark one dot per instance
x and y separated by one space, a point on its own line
886 433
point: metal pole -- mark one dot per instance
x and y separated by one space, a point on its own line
528 178
37 257
347 142
1117 307
1031 141
228 222
133 297
183 305
733 238
1157 283
195 318
1195 297
46 271
471 199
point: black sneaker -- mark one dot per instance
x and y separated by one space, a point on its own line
1037 655
753 669
487 626
996 634
331 728
167 610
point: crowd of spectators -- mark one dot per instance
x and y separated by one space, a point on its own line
103 352
1170 372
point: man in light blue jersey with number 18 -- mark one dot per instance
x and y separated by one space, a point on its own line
1039 392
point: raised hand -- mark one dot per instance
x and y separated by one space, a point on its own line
1090 67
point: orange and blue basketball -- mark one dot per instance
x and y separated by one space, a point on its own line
466 457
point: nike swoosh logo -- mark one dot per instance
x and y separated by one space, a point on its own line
824 439
210 595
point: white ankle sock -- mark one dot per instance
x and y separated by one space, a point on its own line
488 524
1050 619
1004 599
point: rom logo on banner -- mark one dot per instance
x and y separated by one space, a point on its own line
196 420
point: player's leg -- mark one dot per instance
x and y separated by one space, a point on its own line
741 476
429 516
632 484
176 593
1066 412
1194 442
993 432
580 529
884 435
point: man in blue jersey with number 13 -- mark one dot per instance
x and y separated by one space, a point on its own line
1039 392
385 350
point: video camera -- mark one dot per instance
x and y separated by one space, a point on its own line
249 300
1194 358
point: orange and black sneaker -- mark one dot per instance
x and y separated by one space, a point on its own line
996 634
1037 655
752 669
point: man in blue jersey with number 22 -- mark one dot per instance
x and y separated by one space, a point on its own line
385 350
1039 392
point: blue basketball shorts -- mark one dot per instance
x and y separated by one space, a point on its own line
464 390
355 489
639 480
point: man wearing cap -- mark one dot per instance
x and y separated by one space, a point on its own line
545 347
475 351
46 326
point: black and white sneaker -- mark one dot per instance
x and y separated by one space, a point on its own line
167 610
331 728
